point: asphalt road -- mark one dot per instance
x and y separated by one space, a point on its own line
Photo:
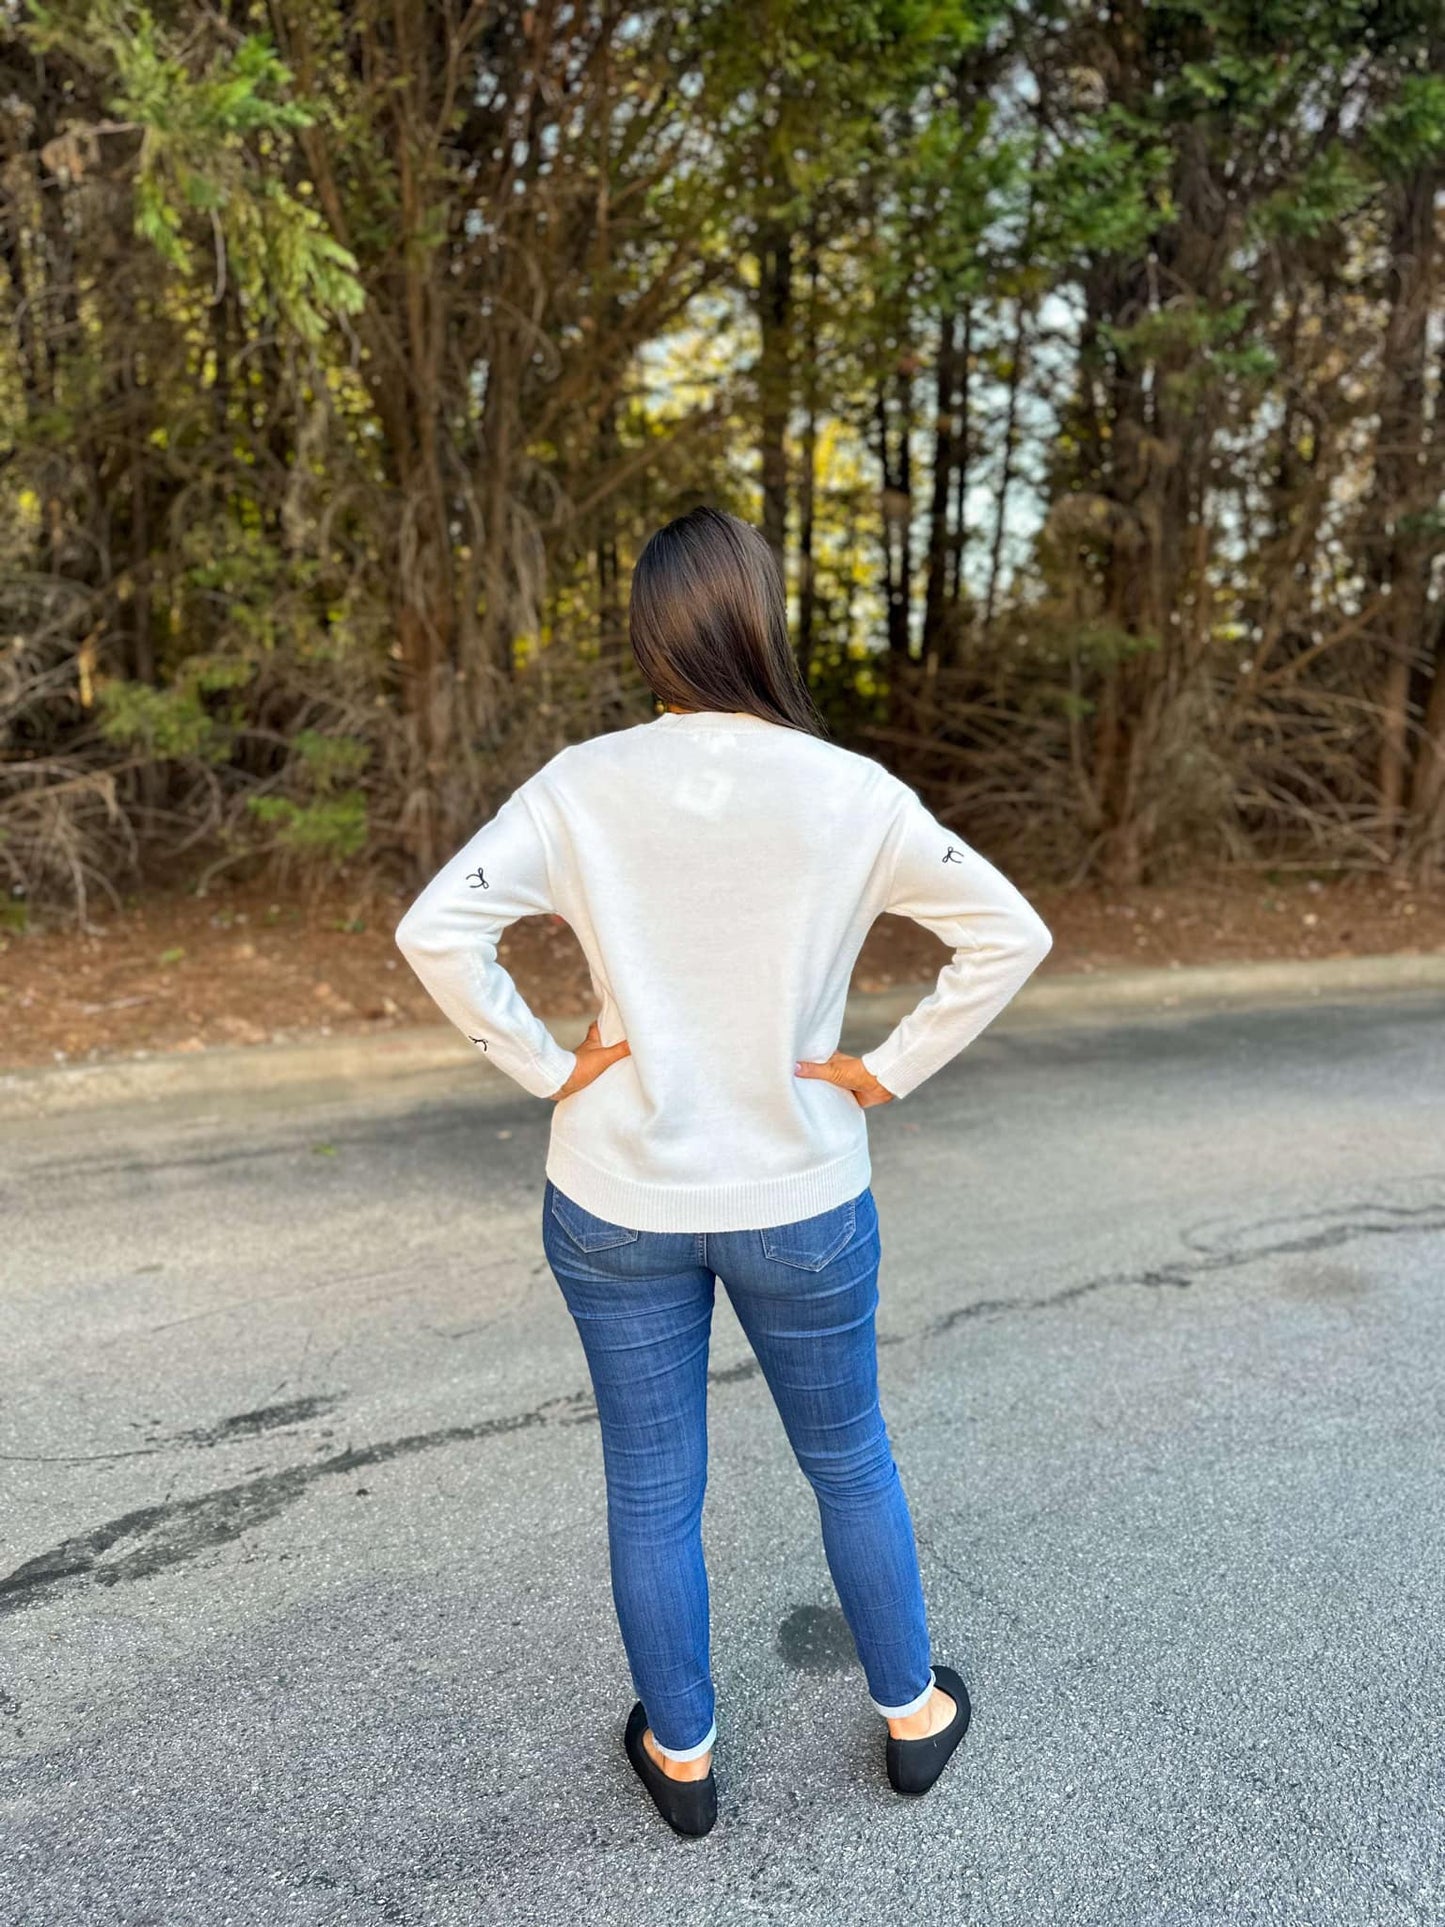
303 1576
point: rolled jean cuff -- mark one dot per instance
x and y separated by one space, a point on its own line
688 1752
913 1706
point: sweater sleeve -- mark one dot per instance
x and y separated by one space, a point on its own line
998 940
449 937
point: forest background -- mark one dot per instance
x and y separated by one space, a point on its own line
1083 362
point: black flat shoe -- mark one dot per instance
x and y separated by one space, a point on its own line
688 1806
913 1765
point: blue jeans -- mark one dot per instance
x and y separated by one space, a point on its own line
805 1294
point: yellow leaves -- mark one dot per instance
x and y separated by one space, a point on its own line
86 658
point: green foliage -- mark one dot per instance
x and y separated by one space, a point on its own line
322 832
330 761
1330 187
328 822
1105 190
173 722
233 563
333 410
1410 130
216 131
168 725
1184 327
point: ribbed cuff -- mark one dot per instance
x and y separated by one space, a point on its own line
569 1061
544 1073
891 1069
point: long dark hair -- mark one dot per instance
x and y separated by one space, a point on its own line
709 622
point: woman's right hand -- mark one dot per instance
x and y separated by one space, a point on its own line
849 1074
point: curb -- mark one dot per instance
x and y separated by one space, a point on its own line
342 1066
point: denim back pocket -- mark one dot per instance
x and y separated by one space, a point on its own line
811 1243
585 1228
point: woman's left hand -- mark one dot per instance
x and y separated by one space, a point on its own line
593 1057
849 1074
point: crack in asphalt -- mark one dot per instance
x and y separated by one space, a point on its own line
174 1531
240 1425
1374 1220
266 1418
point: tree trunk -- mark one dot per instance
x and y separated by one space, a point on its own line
945 447
611 620
1006 473
1427 783
775 376
808 477
962 458
894 525
1403 483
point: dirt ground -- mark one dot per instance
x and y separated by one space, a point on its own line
173 972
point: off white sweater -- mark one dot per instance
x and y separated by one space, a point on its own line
720 873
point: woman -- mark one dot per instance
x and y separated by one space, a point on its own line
721 865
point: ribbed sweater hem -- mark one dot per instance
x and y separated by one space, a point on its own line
749 1204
